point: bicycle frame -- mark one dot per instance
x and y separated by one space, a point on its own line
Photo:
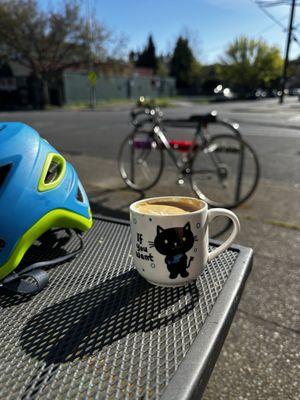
185 167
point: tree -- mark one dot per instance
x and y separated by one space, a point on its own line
249 64
210 78
147 58
132 57
294 73
48 43
183 65
162 68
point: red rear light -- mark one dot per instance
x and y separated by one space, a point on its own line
181 145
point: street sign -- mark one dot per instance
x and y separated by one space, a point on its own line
92 78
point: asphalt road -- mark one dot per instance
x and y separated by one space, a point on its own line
274 132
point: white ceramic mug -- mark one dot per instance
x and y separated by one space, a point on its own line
172 250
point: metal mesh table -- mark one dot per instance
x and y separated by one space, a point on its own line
99 331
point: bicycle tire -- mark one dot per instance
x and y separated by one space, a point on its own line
241 197
130 139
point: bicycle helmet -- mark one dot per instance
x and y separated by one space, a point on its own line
39 190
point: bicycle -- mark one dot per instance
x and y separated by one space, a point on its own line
222 169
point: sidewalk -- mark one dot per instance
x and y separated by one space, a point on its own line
270 113
260 357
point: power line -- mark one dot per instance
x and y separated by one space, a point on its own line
262 6
269 3
275 22
268 27
271 26
268 14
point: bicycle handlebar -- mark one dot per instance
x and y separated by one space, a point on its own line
138 111
152 115
141 122
155 115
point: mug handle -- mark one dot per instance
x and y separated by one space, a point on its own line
216 212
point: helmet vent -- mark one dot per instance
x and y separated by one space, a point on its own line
4 171
79 195
53 172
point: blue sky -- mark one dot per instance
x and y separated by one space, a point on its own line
211 24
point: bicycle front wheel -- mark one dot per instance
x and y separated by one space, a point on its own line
140 161
226 172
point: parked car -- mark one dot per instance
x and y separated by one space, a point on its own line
294 91
260 93
222 93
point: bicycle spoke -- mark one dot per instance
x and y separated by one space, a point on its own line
132 163
140 161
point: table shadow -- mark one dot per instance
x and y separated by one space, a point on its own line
83 324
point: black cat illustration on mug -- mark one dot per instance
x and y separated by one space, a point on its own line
174 243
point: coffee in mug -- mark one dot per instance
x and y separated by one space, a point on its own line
170 238
166 207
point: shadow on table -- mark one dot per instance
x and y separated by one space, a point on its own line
85 323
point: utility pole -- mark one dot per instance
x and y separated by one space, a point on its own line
286 60
91 73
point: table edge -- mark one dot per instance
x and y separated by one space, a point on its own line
192 375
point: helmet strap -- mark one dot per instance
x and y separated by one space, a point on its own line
34 278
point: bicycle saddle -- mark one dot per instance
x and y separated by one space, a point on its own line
204 118
201 119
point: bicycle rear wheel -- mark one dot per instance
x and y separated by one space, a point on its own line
226 172
140 161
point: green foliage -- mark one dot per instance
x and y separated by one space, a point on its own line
162 69
250 63
147 58
196 71
294 70
148 102
210 78
183 65
48 43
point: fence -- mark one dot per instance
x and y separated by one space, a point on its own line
77 87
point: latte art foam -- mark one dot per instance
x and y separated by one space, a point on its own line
166 208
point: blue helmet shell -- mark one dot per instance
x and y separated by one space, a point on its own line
22 204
